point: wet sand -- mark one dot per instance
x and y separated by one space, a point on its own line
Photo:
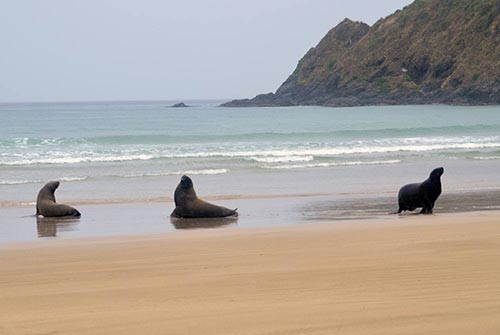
18 224
398 275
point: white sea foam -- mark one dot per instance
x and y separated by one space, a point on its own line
69 179
36 181
76 160
146 174
487 158
313 165
282 159
22 141
337 151
206 171
177 173
17 182
276 154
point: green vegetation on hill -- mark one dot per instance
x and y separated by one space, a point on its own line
432 51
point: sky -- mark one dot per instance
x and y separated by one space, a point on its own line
92 50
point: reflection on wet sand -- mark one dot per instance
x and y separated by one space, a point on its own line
368 208
202 223
48 227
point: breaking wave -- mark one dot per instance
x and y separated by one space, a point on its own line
312 165
274 153
37 181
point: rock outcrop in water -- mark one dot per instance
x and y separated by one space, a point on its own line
179 105
432 51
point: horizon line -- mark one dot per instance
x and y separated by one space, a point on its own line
110 101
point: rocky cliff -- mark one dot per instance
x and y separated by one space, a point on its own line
432 51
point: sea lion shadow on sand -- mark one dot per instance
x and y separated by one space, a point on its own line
421 195
49 227
189 206
202 223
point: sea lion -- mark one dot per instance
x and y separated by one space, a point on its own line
46 203
188 206
423 194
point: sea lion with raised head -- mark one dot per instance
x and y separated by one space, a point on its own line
189 206
46 203
423 194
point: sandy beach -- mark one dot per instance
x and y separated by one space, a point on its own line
312 134
398 275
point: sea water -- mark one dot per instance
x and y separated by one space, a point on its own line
108 152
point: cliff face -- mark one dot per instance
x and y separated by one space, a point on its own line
432 51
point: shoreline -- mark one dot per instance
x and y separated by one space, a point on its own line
432 274
353 223
18 224
171 199
338 196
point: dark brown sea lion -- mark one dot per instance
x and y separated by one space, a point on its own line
188 206
423 194
46 203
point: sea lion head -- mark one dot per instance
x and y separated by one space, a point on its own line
184 191
436 173
186 182
46 194
52 186
48 190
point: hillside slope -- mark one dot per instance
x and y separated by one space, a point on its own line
432 51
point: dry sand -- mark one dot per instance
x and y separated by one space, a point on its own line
410 275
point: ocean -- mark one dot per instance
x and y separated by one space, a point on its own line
135 152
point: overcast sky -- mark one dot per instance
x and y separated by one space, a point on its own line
69 50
